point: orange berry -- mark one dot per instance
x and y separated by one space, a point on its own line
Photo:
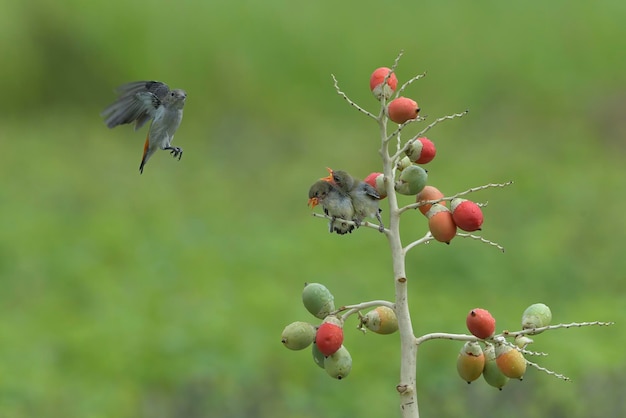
440 223
402 109
428 193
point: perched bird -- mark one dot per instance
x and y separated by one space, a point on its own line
335 204
364 197
141 101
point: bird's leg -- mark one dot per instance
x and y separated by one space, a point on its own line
381 227
331 224
175 151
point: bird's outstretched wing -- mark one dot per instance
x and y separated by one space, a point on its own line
137 103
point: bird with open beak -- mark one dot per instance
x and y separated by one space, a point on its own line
335 204
364 197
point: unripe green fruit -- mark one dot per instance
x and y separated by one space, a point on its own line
510 361
536 316
318 357
329 338
412 180
338 364
318 300
470 362
298 335
382 320
403 163
492 374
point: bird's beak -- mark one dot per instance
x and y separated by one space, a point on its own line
329 177
313 202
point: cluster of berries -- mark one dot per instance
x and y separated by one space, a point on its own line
326 339
498 361
344 198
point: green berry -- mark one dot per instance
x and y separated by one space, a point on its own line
536 316
298 335
492 374
338 364
318 300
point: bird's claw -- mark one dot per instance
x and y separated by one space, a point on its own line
175 151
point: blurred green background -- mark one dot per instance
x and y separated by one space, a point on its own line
164 294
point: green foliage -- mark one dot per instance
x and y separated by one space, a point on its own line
164 295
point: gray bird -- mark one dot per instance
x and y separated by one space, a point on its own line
364 197
141 101
335 204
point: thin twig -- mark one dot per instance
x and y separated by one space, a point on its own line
424 240
532 331
356 106
366 224
481 239
351 309
550 372
402 125
426 129
463 193
408 83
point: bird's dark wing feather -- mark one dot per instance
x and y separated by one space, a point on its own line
137 103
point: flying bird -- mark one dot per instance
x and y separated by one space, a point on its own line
141 101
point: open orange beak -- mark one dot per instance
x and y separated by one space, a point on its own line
329 178
314 201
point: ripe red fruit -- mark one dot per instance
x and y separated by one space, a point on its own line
376 83
376 180
440 223
421 151
467 214
428 193
402 109
329 338
480 323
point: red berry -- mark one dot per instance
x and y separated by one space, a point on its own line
421 151
480 323
440 223
467 214
376 83
376 180
428 193
402 109
329 338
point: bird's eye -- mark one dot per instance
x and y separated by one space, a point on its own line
172 94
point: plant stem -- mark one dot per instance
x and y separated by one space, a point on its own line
407 385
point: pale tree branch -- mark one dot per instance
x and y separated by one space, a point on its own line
463 193
352 309
425 239
365 223
347 99
426 129
547 371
